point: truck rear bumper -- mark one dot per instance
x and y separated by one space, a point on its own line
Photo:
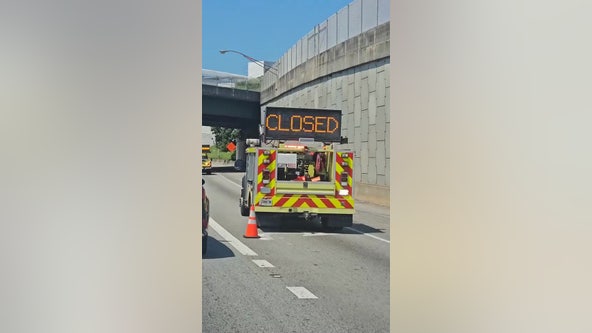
330 220
302 210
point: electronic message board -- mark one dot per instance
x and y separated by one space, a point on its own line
294 123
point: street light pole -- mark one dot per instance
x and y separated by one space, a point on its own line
258 62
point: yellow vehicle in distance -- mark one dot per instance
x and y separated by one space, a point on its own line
206 162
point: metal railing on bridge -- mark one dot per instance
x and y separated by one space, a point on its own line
352 20
229 80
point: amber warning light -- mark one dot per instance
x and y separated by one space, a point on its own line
294 123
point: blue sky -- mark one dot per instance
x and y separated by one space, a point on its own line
262 29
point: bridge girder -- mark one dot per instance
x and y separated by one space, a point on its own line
231 108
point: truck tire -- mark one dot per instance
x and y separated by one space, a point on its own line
244 210
244 206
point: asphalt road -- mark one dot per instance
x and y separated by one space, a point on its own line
297 278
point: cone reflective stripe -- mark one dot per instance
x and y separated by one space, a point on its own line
252 231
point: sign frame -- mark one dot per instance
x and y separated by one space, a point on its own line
282 123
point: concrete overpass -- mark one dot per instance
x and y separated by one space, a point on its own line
232 108
225 105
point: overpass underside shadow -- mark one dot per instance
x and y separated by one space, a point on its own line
231 108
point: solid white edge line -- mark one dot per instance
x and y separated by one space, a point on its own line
238 245
302 292
363 233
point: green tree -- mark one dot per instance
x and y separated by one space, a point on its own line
224 135
250 84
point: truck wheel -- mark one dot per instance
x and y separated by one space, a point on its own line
244 210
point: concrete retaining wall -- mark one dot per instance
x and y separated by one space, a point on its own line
353 76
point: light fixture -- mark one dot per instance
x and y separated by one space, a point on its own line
258 62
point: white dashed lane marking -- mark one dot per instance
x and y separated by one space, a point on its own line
262 263
302 293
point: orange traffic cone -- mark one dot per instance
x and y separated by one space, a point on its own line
252 231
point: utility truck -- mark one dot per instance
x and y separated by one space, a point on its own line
295 170
206 162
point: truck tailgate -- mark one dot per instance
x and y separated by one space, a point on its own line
298 187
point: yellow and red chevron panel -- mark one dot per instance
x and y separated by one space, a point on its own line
344 164
311 201
266 160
